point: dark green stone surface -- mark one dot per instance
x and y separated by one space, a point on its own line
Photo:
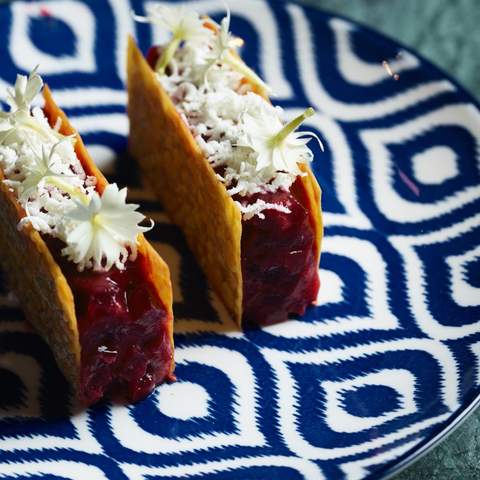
457 458
447 32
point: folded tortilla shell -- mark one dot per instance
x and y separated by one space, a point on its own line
182 178
37 279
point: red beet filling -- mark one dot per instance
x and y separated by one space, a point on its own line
279 267
153 54
126 347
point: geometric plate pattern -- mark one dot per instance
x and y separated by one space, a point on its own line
391 355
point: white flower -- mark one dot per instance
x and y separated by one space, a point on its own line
104 232
20 117
276 145
24 91
180 21
223 51
40 170
185 26
223 40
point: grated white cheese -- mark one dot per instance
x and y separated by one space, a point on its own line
42 169
256 209
31 152
218 109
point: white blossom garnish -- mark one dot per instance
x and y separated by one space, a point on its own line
20 116
24 91
185 26
105 230
223 51
41 168
279 146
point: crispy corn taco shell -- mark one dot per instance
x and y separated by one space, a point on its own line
37 279
184 181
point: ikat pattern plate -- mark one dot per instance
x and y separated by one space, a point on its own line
389 360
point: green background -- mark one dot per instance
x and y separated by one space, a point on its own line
446 32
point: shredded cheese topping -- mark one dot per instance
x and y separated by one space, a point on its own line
41 168
237 129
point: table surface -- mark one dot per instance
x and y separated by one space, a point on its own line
445 32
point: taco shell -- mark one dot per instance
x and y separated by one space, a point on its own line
184 181
37 279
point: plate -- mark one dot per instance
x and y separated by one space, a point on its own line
380 370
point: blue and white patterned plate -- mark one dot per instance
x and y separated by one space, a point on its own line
389 360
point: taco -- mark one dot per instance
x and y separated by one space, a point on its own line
74 253
230 173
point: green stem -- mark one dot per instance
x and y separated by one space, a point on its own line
168 54
291 126
245 70
74 192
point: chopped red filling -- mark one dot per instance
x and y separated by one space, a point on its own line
153 54
279 267
126 346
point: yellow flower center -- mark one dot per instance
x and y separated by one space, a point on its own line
97 220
